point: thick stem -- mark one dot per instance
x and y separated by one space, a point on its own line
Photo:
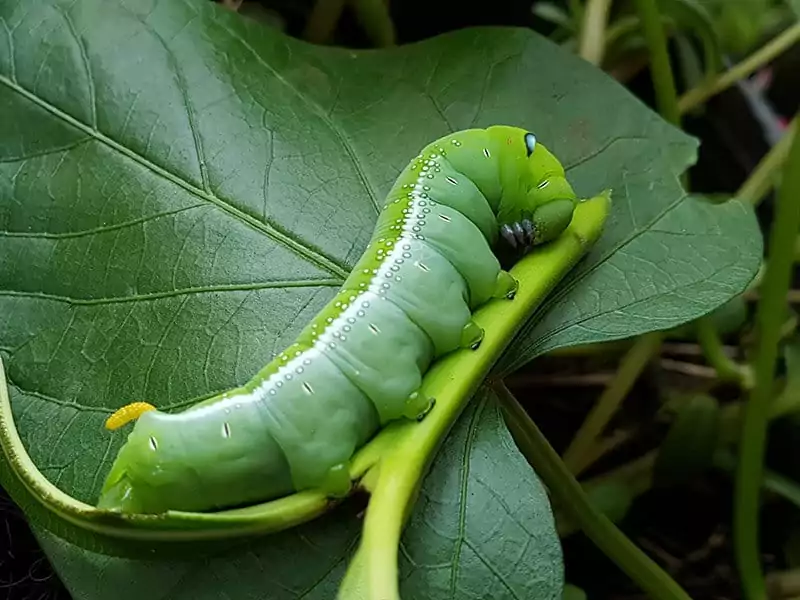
576 9
578 454
395 479
592 43
374 17
714 351
663 80
323 20
636 476
762 178
568 493
770 317
755 61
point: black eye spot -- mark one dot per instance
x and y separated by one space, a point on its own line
530 142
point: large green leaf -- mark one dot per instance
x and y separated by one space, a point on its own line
307 563
482 528
485 510
181 190
664 260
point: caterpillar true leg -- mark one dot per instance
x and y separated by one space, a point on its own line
472 335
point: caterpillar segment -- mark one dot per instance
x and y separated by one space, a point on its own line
361 361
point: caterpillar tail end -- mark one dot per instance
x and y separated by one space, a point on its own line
126 414
118 494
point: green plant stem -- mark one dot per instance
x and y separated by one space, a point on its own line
786 403
727 369
395 476
636 476
576 9
323 20
622 27
782 486
569 494
767 53
763 177
663 81
578 454
769 318
592 41
375 20
771 482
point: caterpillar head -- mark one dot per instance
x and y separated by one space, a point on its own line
537 201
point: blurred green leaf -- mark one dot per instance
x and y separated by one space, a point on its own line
553 13
692 15
573 592
689 446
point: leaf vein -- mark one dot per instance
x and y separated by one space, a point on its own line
207 361
317 258
620 308
343 555
190 115
160 343
97 230
46 151
12 66
50 399
62 432
492 568
600 149
175 293
462 508
570 285
317 109
86 66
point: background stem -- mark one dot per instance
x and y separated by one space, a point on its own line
663 80
770 316
755 61
593 31
727 369
763 177
577 454
569 494
323 20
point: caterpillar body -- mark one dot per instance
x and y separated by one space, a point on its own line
360 363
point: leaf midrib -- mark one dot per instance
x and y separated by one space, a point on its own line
316 258
240 287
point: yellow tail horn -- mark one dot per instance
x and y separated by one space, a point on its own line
128 413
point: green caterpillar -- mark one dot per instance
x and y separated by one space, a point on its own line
359 364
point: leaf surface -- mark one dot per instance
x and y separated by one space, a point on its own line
482 527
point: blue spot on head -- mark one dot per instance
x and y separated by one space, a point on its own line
530 142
